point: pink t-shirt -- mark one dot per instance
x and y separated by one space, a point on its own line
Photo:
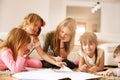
7 61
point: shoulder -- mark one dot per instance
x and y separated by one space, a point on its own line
100 52
50 34
80 53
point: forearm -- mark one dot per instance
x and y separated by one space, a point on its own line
12 65
95 69
100 68
63 53
45 56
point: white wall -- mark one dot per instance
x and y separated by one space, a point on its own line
12 13
110 18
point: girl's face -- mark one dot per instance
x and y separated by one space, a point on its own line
117 59
26 47
33 28
89 48
65 34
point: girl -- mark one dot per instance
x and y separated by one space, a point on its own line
91 58
32 25
116 56
60 42
13 50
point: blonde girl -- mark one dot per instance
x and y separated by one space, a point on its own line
91 58
32 25
13 49
61 41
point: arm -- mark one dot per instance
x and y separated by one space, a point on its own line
47 57
13 66
101 64
63 53
82 66
100 67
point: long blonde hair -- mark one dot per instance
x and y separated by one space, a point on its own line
71 24
15 39
33 19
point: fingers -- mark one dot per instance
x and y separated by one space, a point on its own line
108 73
62 64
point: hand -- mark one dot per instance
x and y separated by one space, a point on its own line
60 64
108 72
84 68
93 69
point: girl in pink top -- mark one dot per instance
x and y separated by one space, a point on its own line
13 50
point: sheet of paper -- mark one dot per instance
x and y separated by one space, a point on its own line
65 68
46 74
49 74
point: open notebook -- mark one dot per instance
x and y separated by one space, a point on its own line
50 74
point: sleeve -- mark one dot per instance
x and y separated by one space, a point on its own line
80 53
47 42
13 66
116 72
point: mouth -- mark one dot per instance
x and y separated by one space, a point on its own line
62 38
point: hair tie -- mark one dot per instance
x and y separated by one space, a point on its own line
43 24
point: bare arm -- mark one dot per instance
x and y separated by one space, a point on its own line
101 64
100 67
63 53
82 66
46 56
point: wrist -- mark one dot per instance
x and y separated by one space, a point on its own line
62 47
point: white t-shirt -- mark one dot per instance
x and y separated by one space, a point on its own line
91 61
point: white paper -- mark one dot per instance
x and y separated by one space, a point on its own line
49 74
65 68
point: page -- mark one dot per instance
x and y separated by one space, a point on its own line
49 74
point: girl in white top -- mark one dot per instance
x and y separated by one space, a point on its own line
91 58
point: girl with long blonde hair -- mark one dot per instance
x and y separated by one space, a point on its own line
60 42
13 49
91 57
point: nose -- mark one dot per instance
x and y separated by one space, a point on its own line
87 46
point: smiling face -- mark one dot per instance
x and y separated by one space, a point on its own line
65 34
89 43
89 48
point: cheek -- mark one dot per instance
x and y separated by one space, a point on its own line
119 65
